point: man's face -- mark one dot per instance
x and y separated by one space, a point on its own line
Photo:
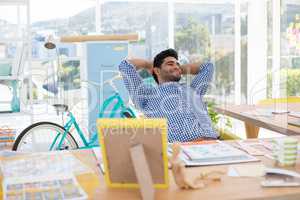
170 70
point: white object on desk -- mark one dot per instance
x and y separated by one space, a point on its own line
294 114
232 172
285 178
281 172
294 122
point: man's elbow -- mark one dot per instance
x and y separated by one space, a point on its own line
123 65
210 69
210 65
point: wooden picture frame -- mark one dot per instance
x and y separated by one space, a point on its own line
118 136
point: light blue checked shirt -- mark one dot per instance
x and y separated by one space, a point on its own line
181 104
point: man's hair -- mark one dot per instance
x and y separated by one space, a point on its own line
159 59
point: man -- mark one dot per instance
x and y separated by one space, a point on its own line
181 104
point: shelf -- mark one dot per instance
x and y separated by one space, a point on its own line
14 2
8 78
19 34
17 114
11 40
6 60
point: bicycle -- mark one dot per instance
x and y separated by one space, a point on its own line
62 139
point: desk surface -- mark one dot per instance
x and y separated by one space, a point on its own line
228 188
276 122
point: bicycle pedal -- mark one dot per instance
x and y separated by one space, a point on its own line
64 148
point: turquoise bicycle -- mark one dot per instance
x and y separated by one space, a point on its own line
48 136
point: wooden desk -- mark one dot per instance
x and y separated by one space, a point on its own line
228 188
277 122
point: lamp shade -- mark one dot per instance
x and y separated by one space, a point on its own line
49 44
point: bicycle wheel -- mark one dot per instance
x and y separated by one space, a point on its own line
40 137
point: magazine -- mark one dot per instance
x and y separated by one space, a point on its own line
56 186
212 153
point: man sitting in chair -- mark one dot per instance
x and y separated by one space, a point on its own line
181 104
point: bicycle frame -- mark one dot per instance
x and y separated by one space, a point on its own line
120 105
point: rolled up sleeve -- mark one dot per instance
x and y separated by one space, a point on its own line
202 80
134 84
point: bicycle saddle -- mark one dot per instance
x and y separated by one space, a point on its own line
128 114
60 108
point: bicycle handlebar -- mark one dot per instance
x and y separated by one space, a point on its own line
109 81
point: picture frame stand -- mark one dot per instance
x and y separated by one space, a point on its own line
142 171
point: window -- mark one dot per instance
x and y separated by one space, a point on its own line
288 74
290 46
62 63
205 31
5 97
149 19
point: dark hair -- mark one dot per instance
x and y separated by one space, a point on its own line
159 59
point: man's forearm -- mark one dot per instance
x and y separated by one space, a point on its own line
141 64
191 68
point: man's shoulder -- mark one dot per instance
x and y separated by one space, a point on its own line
125 64
207 64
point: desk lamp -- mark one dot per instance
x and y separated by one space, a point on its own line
50 45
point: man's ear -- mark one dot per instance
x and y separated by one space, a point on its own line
156 70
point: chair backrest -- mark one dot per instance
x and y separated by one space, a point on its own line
290 99
226 135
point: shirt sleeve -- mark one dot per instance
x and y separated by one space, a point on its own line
202 80
134 84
